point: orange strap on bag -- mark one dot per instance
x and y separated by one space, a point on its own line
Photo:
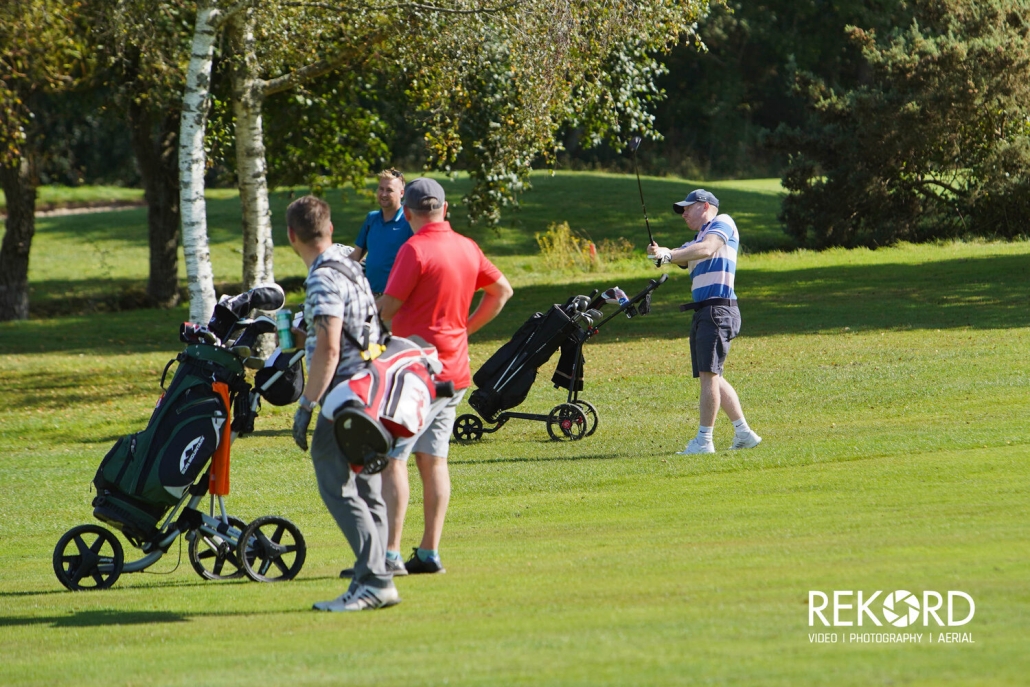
218 483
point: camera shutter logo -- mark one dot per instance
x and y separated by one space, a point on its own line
901 608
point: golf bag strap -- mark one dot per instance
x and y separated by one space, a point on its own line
731 302
369 351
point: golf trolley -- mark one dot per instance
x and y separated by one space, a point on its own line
166 466
504 381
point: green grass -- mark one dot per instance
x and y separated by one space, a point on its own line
890 386
77 196
109 250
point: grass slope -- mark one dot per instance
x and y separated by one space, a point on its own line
890 387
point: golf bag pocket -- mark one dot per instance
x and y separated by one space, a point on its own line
159 463
286 388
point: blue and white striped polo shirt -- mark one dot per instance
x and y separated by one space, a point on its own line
713 278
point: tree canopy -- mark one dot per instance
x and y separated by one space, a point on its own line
935 142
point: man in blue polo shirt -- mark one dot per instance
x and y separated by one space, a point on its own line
384 231
711 258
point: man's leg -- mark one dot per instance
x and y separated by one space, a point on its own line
436 495
743 435
337 484
711 397
728 400
431 458
396 492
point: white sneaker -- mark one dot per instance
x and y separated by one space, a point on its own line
363 598
749 440
696 446
325 605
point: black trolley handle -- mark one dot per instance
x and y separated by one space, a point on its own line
655 283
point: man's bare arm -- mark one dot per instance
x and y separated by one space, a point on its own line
708 247
388 306
325 358
357 254
494 297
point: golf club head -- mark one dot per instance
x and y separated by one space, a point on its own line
190 333
635 143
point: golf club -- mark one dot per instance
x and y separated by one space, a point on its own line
633 145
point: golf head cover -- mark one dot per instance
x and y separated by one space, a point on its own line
615 296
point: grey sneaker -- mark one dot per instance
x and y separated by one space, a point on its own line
749 440
696 446
396 567
362 598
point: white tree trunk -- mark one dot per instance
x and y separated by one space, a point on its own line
248 95
192 164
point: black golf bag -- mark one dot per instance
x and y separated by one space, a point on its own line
505 379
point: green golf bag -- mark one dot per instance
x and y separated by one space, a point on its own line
146 473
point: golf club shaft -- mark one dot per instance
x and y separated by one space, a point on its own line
641 189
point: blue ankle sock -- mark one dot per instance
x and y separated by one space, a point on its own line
394 555
425 554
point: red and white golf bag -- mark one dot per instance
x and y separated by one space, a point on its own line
388 399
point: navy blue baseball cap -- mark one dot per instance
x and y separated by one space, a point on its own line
697 196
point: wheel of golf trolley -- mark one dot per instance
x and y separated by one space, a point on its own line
271 549
88 557
214 557
566 422
468 429
591 413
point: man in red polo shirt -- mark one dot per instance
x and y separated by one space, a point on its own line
429 293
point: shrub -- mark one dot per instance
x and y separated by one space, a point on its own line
567 250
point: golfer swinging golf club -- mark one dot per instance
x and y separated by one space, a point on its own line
711 258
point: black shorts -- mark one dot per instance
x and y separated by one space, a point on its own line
711 332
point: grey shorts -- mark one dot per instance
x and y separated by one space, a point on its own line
711 332
435 437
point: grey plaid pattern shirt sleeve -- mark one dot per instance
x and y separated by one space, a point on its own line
333 294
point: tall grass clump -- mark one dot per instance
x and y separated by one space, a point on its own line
567 250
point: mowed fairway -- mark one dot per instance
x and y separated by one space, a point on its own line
891 389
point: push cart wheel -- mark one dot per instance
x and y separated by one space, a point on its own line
591 413
271 549
566 422
468 429
88 557
214 557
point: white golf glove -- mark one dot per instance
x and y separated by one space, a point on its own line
662 256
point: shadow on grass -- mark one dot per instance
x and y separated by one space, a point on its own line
105 617
982 293
989 292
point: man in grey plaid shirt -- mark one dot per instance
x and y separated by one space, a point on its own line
339 297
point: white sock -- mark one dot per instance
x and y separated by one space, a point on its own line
740 426
704 434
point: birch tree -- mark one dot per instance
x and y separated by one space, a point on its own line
196 102
498 78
